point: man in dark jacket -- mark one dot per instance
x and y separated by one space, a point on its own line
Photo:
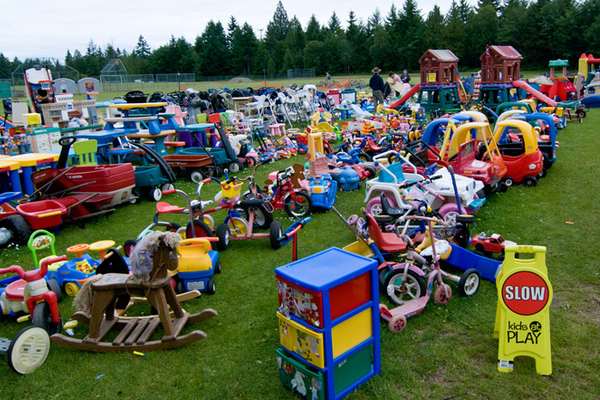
377 86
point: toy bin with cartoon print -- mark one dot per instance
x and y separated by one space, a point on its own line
197 266
323 190
328 323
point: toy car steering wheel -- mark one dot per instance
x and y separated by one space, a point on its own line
78 250
102 247
67 140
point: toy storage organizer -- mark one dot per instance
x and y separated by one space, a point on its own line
328 324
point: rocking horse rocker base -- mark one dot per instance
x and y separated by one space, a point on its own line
134 332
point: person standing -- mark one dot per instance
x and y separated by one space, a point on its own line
405 77
377 86
328 79
395 84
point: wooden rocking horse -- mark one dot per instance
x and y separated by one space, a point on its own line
151 260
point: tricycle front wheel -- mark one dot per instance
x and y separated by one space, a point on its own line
28 350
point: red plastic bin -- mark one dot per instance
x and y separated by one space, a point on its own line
307 304
43 214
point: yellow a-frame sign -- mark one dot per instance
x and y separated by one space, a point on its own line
523 312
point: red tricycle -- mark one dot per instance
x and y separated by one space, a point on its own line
285 192
31 295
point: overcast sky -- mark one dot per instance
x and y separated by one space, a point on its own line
47 28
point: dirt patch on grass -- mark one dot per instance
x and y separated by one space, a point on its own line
583 301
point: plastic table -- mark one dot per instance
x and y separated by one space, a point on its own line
11 168
29 162
105 139
194 135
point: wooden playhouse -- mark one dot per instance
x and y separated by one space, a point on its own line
500 67
438 67
440 89
500 64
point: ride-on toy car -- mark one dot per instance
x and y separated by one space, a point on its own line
471 149
72 274
197 266
323 192
520 152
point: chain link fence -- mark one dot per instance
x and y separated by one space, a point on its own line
121 83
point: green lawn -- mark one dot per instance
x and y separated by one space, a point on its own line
448 352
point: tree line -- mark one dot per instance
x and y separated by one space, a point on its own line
540 29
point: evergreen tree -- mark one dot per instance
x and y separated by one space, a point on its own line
142 48
494 3
294 45
454 34
395 35
587 28
465 11
434 29
314 56
278 26
512 22
374 22
212 50
176 56
110 52
244 47
482 31
313 29
412 23
68 57
334 26
277 30
357 37
5 67
380 51
232 27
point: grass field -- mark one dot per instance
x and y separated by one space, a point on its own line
448 352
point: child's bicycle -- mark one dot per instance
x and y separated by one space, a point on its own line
413 283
